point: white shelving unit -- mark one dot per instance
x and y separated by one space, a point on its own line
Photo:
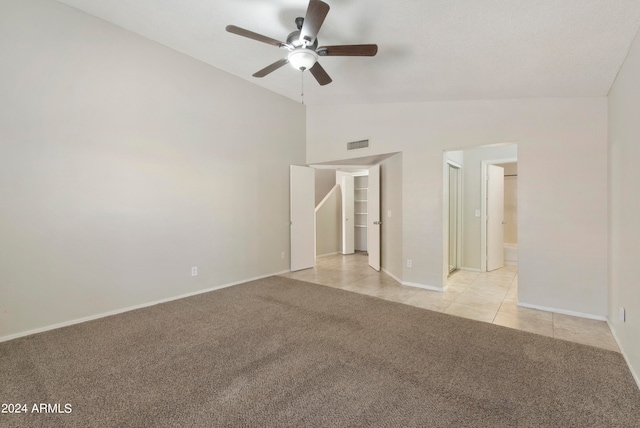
361 184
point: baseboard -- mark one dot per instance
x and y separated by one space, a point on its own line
471 269
511 263
562 311
392 275
328 254
624 354
423 286
130 308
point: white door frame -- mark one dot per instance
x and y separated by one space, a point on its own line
454 164
483 208
374 220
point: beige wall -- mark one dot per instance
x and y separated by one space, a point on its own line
123 164
325 180
624 206
510 202
329 223
562 146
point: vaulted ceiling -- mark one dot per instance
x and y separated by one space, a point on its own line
429 50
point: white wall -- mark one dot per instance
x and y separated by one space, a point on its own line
123 164
562 148
472 199
624 206
456 156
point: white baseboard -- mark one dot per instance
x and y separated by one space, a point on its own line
392 275
624 354
471 269
513 263
130 308
563 311
328 254
423 286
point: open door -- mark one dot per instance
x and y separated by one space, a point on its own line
495 217
303 217
373 217
348 215
454 216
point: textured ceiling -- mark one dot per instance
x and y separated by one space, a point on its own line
429 50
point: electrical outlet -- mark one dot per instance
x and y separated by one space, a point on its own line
194 271
389 213
282 255
409 263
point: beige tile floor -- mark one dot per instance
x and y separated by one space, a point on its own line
489 297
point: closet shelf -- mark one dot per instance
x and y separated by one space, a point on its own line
360 225
360 213
360 200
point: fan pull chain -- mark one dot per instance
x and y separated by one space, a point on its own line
302 86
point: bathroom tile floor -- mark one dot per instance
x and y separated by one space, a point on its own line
489 297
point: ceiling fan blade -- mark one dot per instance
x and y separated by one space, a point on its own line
273 67
255 36
348 50
320 74
316 12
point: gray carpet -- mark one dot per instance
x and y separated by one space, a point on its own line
281 352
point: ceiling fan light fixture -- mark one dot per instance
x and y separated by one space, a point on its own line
302 58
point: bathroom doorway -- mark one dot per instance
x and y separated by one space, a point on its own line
464 207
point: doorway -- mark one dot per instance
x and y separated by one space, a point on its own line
464 244
360 211
494 214
329 203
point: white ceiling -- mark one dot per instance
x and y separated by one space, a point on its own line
429 50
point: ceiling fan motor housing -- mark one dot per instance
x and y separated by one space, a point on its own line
293 39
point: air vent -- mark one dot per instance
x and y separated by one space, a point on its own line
358 144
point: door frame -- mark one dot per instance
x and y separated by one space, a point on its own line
483 208
374 218
450 163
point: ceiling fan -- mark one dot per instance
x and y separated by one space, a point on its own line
302 44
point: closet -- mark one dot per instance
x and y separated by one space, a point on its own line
360 197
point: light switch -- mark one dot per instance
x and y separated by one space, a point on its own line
389 213
477 213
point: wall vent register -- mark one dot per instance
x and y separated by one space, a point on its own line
358 144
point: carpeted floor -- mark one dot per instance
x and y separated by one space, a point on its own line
280 352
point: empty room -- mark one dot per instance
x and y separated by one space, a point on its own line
319 213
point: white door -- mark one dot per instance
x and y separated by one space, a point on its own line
373 217
303 217
348 217
495 217
454 231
